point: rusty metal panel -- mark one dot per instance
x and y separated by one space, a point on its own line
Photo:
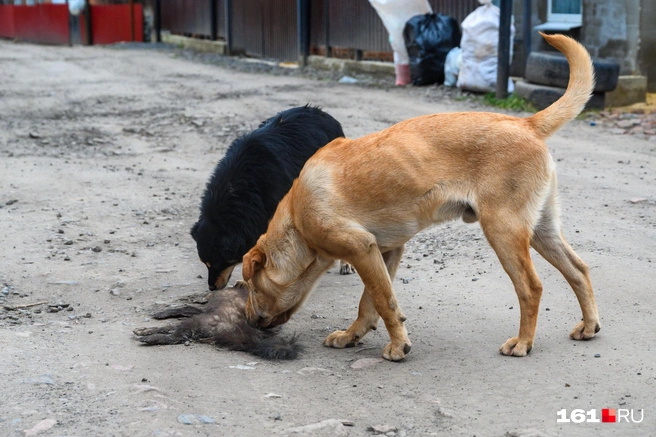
247 27
186 17
221 19
265 28
280 30
355 24
458 9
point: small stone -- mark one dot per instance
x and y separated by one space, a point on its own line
242 367
67 258
313 371
195 419
64 283
474 279
365 362
97 249
11 202
597 355
637 200
382 429
272 396
44 425
43 379
68 242
107 241
34 135
115 292
332 427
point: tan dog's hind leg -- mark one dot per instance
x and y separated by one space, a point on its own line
510 240
549 242
367 314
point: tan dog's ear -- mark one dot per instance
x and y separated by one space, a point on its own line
253 261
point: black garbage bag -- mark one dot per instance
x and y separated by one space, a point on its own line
428 38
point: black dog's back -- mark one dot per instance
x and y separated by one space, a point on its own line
248 183
265 162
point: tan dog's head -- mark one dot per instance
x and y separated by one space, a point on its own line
280 272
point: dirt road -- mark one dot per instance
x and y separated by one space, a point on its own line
104 154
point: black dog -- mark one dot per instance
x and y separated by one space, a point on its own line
256 172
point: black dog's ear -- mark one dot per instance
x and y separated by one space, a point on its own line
194 230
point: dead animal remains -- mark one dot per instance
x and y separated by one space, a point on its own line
222 322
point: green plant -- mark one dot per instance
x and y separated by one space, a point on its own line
512 102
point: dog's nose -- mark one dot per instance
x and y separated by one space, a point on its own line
212 287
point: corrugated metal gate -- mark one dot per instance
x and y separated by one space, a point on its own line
192 17
265 28
268 28
354 23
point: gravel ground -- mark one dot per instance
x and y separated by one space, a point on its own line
104 153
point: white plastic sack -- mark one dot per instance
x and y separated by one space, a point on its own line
75 6
394 14
480 42
452 66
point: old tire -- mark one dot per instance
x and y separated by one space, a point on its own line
542 96
552 69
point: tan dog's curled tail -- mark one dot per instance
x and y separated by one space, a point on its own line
579 89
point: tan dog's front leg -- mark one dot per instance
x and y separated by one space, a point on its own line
367 315
367 320
372 271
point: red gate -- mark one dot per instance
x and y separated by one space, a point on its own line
43 23
49 23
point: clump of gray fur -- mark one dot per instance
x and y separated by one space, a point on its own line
222 321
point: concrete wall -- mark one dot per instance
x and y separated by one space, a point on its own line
611 29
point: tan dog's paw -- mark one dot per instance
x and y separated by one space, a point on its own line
580 332
515 348
396 352
340 340
345 268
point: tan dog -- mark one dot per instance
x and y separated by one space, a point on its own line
362 200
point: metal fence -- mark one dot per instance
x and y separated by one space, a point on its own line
269 28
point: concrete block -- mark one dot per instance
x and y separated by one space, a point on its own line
347 66
542 96
630 90
200 45
552 69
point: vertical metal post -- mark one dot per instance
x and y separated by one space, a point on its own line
503 67
213 23
303 20
158 21
131 3
527 30
228 26
70 25
326 28
87 22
